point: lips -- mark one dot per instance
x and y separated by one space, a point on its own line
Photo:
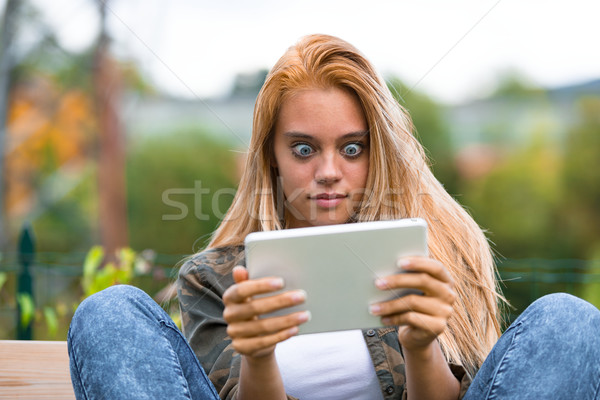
329 196
328 200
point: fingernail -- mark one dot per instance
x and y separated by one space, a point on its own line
298 296
305 316
381 283
374 309
277 283
293 331
386 321
403 263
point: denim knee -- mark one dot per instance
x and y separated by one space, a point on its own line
116 293
563 314
113 299
563 306
114 308
550 351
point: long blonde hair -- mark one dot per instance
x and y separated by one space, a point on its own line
400 184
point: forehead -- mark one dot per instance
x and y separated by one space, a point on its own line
317 111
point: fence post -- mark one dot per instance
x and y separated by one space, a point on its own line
26 253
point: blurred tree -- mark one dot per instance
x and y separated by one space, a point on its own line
517 201
431 130
581 180
7 32
42 116
179 187
50 146
249 84
111 143
50 138
48 128
512 83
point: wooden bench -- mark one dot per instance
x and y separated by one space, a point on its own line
31 369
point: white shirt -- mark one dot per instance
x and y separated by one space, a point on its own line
328 366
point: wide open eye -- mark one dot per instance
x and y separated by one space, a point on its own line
353 149
302 150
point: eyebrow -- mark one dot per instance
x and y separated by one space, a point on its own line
301 135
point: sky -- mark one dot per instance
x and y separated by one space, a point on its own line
452 50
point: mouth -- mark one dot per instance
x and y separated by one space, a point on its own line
328 200
328 196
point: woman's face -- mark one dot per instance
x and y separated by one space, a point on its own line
321 151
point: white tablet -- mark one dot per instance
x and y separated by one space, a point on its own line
337 266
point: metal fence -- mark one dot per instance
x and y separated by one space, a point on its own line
53 279
525 280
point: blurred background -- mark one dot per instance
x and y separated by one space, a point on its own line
124 123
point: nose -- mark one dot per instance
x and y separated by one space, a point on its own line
328 170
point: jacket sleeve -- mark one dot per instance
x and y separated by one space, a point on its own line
200 286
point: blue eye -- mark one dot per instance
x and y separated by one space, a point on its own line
353 149
302 150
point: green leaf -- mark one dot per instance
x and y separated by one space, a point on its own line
91 264
122 276
51 320
3 279
176 317
27 308
127 258
103 278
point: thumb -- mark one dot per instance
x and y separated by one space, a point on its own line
240 274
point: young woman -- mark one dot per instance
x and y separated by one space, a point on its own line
329 146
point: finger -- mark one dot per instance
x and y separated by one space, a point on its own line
266 326
413 303
247 310
426 265
429 285
241 291
427 323
251 346
239 274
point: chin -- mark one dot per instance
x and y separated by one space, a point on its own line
329 221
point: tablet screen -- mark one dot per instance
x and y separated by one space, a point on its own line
337 266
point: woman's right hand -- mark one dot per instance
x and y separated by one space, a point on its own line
253 336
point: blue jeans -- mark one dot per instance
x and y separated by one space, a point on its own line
552 351
122 345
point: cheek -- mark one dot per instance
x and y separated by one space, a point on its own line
294 178
359 173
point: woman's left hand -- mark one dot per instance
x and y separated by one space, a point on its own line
421 318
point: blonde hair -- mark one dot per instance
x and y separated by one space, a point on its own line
400 184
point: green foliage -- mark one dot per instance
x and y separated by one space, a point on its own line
431 130
91 264
514 84
190 168
179 187
27 308
591 291
127 267
581 179
68 223
51 318
517 202
542 199
96 279
249 84
3 275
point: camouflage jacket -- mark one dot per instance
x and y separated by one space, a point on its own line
202 281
